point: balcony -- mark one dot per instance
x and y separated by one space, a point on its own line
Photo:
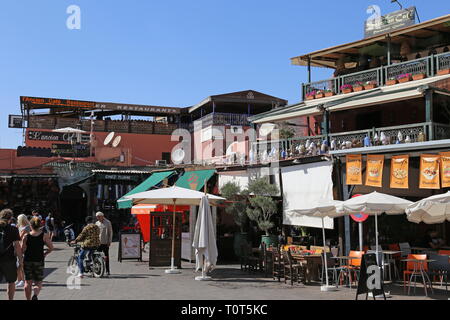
267 151
410 70
223 119
119 126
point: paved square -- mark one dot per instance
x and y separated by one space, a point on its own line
134 280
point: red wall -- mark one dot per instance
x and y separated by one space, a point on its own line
144 148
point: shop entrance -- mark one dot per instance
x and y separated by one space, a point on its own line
73 206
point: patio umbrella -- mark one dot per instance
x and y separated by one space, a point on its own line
431 210
322 209
78 132
374 203
205 240
174 196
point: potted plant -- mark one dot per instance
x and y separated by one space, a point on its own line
329 93
370 85
319 94
358 86
311 95
419 76
236 206
262 207
405 77
347 88
443 71
391 81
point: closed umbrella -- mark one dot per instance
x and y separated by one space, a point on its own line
431 210
173 196
205 240
322 209
374 203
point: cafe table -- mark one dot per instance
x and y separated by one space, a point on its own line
419 269
390 260
313 261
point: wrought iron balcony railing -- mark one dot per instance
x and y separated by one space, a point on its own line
266 151
425 67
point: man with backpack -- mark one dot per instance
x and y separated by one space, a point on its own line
10 251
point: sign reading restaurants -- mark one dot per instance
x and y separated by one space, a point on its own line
354 169
400 172
41 103
374 170
429 171
378 24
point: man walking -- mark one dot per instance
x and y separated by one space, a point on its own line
90 240
9 248
106 235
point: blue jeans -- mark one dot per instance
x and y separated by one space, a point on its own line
83 253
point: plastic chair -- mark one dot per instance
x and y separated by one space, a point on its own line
405 248
332 267
440 268
444 252
353 266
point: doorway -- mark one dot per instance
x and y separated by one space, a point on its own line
73 206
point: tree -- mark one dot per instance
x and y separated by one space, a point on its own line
232 192
286 132
262 206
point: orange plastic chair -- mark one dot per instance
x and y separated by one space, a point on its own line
354 264
410 267
444 252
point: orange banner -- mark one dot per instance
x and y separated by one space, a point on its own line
354 169
429 171
400 172
374 170
445 169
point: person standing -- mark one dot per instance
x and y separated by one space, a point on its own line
23 224
90 240
106 235
9 243
34 257
50 225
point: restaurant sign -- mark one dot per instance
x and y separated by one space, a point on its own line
56 136
378 24
136 108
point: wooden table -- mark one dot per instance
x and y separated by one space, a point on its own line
313 261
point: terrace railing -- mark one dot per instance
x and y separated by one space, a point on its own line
426 131
443 61
430 66
217 118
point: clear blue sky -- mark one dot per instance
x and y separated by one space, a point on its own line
172 53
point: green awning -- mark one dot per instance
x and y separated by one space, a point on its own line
194 180
151 181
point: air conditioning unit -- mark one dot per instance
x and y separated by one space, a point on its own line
161 163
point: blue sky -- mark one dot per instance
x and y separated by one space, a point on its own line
171 53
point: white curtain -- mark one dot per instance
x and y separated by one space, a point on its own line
304 185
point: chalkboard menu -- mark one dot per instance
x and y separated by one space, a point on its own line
161 229
371 277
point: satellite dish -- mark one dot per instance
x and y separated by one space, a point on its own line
108 138
178 156
232 148
266 129
116 141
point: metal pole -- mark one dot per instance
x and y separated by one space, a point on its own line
376 237
173 236
325 252
360 226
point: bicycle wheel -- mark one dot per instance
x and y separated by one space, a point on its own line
98 267
72 265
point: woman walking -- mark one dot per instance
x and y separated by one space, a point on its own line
23 224
34 256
